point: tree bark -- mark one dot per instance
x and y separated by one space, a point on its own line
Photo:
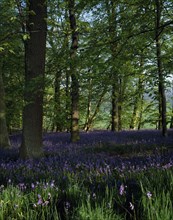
57 105
115 77
162 96
92 117
171 123
4 137
114 113
35 49
138 101
88 113
74 74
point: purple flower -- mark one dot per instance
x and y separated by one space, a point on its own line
45 203
122 190
49 195
94 196
32 186
149 194
40 201
52 184
67 205
131 206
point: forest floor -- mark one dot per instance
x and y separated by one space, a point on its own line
105 176
127 144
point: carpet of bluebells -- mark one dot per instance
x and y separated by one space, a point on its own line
106 175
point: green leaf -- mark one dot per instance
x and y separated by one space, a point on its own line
11 51
1 49
26 37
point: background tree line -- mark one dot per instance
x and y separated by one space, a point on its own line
71 65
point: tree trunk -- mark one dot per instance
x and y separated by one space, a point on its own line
162 96
115 77
35 49
68 101
92 117
74 74
4 138
114 121
57 106
138 102
171 123
88 113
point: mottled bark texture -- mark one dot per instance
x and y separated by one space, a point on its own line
74 74
35 49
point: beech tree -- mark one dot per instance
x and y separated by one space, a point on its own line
74 73
35 49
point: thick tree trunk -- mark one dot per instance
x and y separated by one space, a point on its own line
162 96
74 74
4 138
35 48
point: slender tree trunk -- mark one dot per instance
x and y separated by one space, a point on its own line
140 113
68 101
120 100
162 96
114 121
67 79
116 96
74 74
35 49
93 116
138 102
88 114
171 123
57 107
4 138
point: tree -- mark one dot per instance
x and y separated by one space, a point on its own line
161 86
6 50
4 138
35 49
74 74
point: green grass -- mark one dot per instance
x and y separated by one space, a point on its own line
93 194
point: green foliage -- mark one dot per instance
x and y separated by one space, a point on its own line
108 50
74 199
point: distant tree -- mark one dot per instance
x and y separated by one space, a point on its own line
35 49
138 100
